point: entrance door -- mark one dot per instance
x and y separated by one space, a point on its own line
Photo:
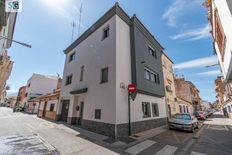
81 112
169 111
44 109
64 113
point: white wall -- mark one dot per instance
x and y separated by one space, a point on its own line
95 54
226 20
40 84
123 76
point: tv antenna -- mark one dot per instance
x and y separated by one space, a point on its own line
79 27
73 29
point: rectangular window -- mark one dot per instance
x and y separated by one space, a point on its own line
187 109
29 84
105 32
52 106
82 73
97 113
146 109
220 35
180 107
151 76
104 75
71 57
155 109
152 52
26 95
184 109
68 80
229 109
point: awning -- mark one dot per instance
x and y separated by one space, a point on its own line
79 91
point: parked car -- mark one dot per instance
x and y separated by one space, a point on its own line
199 115
183 121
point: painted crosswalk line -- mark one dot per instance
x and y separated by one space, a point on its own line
167 150
197 153
140 147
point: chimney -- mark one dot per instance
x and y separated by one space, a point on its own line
59 82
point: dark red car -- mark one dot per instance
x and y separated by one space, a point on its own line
199 115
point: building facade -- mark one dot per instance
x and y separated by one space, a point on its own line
21 96
170 92
220 18
113 53
7 24
36 86
188 92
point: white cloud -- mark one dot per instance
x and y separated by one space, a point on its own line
201 62
209 73
177 8
194 34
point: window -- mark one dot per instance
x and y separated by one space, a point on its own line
229 109
26 95
187 109
29 84
105 32
155 109
168 88
71 57
68 80
104 75
164 64
52 106
97 113
180 107
184 109
82 73
152 52
151 76
146 109
220 37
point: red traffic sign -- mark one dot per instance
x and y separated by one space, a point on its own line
132 88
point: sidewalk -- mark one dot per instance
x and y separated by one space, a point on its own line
219 119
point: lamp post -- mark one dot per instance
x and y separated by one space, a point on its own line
23 44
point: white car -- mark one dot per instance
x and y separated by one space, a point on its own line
183 121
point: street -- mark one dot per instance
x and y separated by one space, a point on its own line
26 134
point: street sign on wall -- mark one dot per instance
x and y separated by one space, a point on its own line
132 88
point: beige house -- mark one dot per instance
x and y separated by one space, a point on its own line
170 93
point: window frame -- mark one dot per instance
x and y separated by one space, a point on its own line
155 109
82 73
152 51
72 56
150 74
52 104
105 29
107 78
148 111
66 79
97 115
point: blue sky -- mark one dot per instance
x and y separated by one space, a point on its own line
181 26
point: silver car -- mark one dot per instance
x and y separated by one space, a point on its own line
183 121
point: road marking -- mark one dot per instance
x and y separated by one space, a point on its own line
197 153
140 147
167 150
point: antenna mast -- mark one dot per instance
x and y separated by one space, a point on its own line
73 29
79 28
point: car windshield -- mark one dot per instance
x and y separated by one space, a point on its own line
182 116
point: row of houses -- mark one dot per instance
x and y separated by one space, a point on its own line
220 19
7 25
117 50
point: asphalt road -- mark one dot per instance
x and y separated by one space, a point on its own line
213 138
22 134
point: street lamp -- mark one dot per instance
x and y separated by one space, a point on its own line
23 44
